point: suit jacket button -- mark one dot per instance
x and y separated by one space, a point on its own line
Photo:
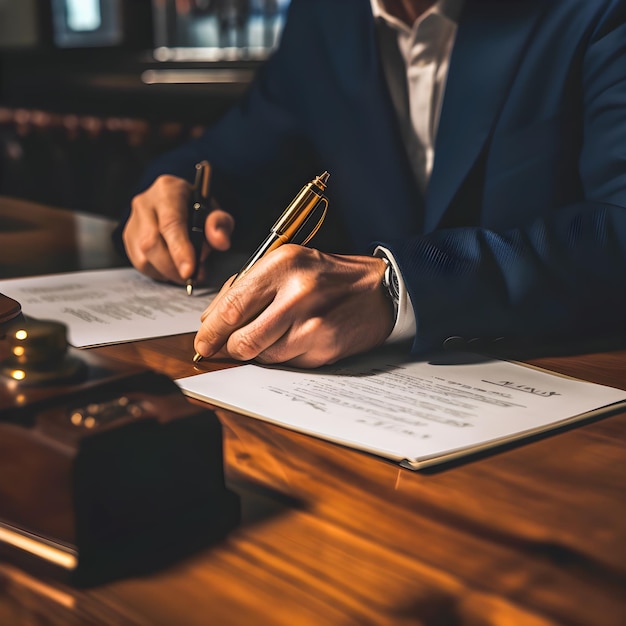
454 343
476 343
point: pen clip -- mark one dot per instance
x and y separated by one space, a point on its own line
312 234
201 183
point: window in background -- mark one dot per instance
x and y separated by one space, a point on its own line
83 15
216 30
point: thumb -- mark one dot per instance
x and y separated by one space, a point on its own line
218 228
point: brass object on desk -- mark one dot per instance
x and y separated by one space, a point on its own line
105 468
9 309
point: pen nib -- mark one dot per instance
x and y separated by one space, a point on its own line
197 357
189 287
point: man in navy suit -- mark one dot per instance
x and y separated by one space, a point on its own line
477 153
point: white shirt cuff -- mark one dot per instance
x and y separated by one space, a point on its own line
405 326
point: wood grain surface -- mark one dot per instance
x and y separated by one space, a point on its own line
530 534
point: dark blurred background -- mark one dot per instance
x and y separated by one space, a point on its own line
91 90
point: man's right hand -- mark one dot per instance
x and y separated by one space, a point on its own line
156 236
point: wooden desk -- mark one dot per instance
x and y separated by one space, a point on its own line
531 535
35 239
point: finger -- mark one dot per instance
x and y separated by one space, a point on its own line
218 229
146 248
261 336
284 350
172 217
213 302
301 346
278 333
233 308
151 272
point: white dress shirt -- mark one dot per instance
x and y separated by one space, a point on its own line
417 92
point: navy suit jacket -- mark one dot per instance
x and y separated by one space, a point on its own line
522 230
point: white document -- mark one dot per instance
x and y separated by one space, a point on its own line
418 413
109 306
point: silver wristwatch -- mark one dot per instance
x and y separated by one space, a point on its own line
391 285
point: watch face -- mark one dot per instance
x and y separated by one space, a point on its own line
395 285
391 282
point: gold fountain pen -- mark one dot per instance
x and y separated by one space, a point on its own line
289 224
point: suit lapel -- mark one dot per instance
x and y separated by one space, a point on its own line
491 39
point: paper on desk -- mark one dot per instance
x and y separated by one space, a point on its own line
418 413
108 306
